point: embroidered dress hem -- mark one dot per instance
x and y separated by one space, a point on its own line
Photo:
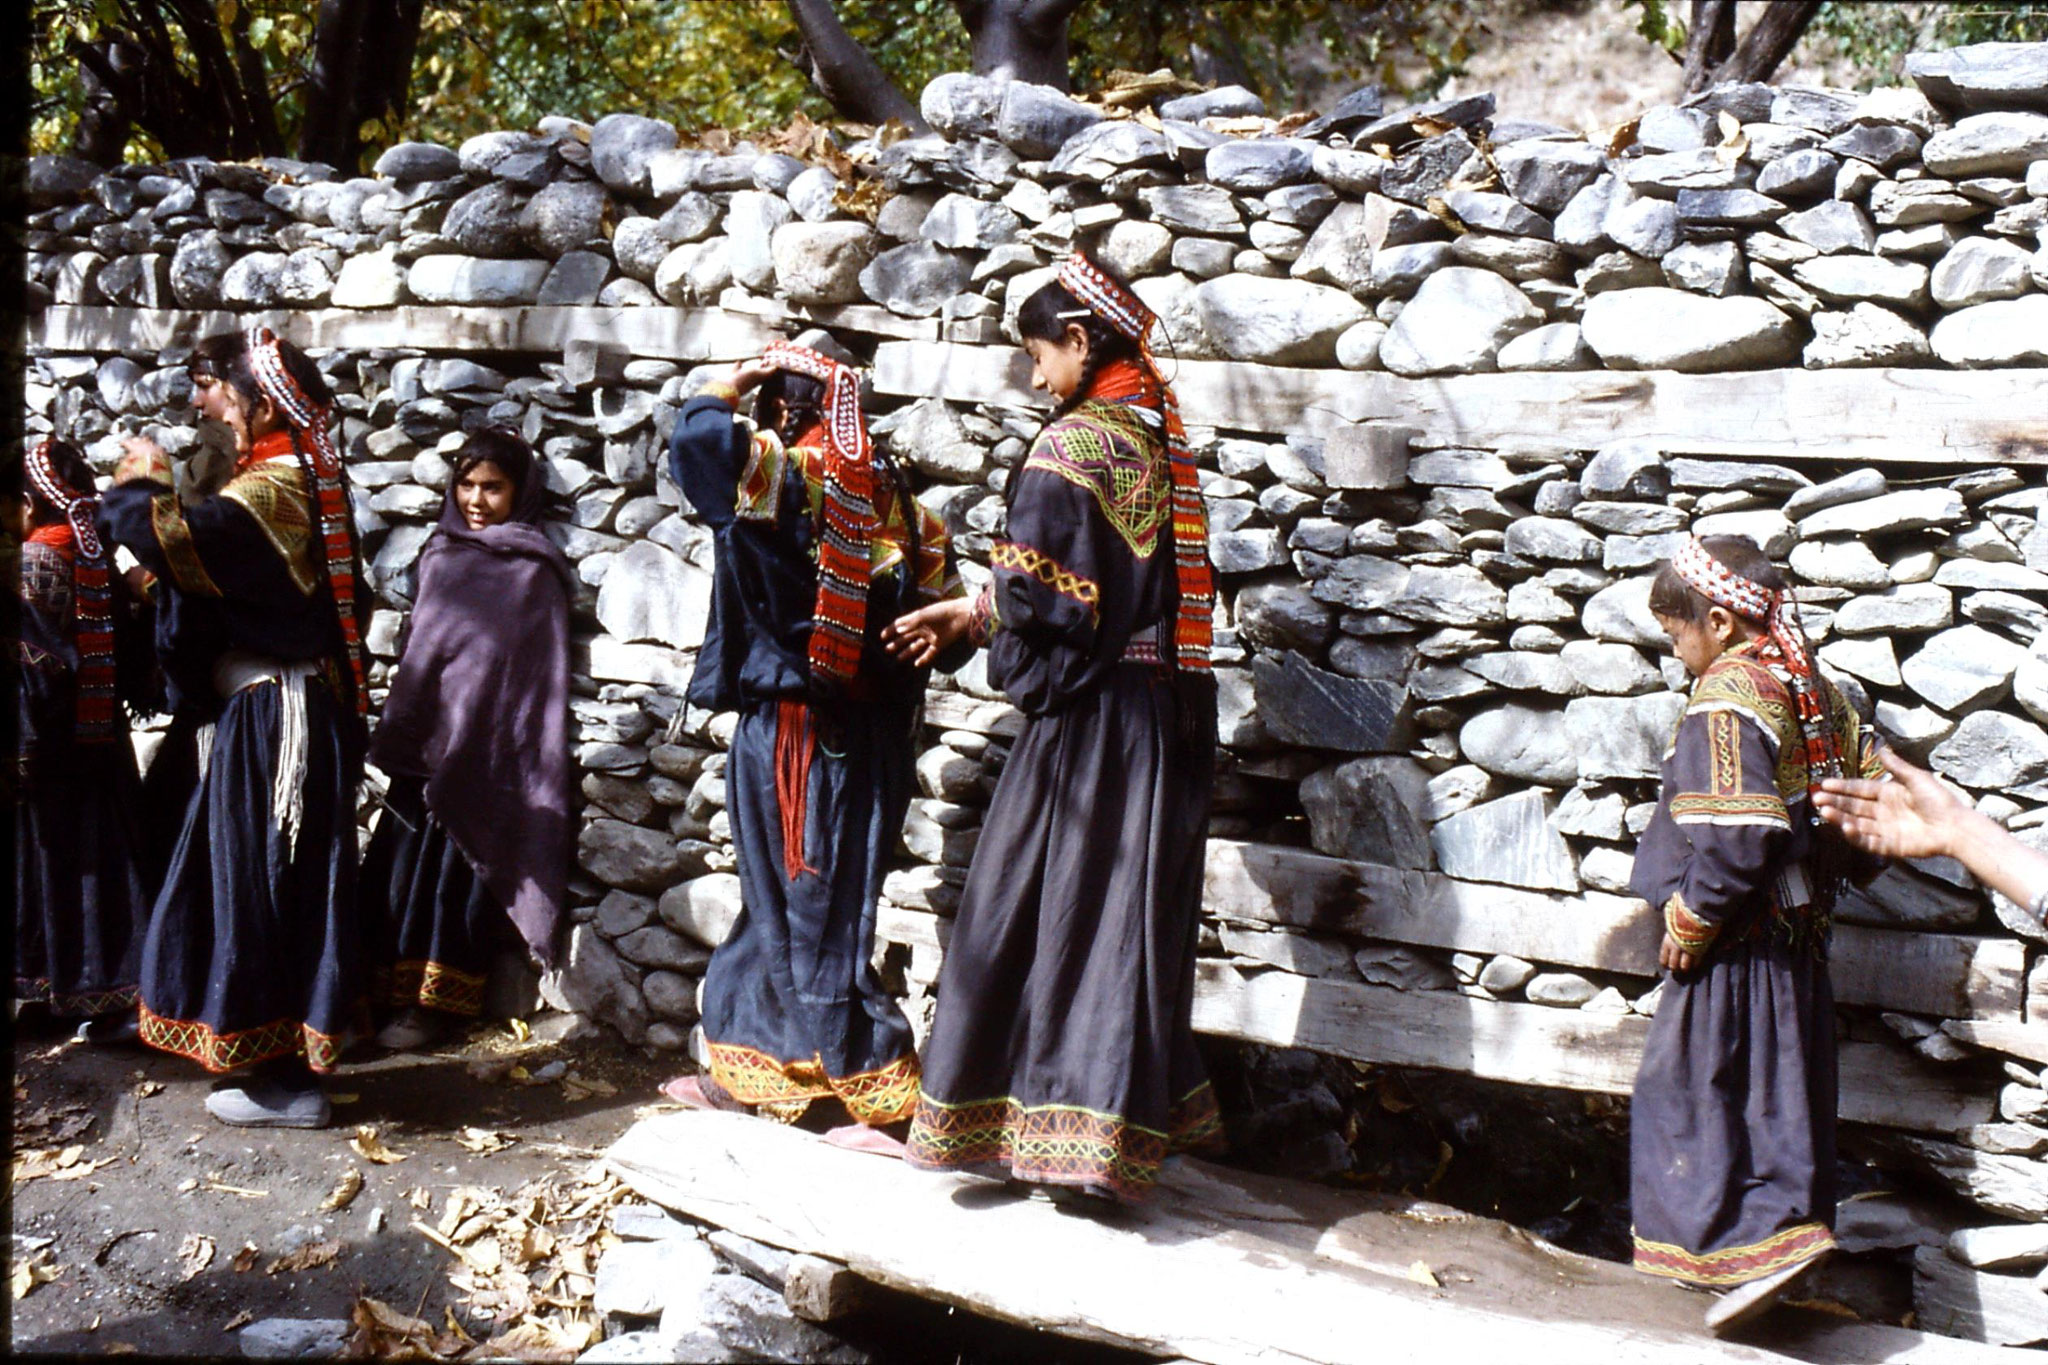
220 1052
784 1090
1735 1265
73 1004
433 985
1061 1144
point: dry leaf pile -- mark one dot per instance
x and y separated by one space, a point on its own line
526 1262
31 1270
51 1163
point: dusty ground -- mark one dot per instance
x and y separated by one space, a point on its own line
171 1173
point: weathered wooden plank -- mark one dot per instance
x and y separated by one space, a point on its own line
958 711
693 334
822 1290
1943 974
1942 417
1533 1044
864 318
1221 1266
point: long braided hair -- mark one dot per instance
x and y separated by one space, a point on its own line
1048 313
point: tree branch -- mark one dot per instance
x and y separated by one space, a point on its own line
1019 40
1708 42
846 73
1769 42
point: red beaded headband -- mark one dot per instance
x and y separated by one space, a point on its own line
77 507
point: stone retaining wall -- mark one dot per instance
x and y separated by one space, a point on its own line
1433 514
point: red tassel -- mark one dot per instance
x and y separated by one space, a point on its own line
794 743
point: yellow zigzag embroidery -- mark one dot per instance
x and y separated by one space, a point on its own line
1049 571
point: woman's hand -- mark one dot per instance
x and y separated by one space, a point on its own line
1914 815
747 374
920 636
142 458
1673 957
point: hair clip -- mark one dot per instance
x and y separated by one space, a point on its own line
1076 313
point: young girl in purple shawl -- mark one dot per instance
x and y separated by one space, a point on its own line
475 837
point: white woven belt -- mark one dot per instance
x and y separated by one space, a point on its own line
237 671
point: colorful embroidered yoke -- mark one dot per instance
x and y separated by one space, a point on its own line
92 594
1731 849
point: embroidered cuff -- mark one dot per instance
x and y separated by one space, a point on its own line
1688 930
982 620
1732 808
151 464
1049 571
722 391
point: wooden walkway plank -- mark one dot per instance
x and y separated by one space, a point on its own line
1221 1267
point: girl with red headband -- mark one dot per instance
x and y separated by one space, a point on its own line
1063 1054
1732 1127
80 897
818 545
253 962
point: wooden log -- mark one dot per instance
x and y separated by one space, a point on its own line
1270 884
1944 417
819 1290
958 711
1534 1044
1220 1266
692 334
1953 1299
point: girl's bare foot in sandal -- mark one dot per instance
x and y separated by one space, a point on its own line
860 1137
701 1092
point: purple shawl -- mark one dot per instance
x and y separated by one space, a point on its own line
480 708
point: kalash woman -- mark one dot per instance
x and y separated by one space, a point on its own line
80 897
1062 1054
819 544
253 961
476 834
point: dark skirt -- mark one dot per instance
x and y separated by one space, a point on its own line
793 1009
434 927
167 787
1732 1127
1062 1052
255 952
80 896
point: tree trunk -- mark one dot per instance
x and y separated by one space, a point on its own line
105 122
1709 41
1019 40
1771 41
361 71
844 72
1712 56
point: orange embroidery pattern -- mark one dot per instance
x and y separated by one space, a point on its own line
1061 1144
227 1051
437 985
1734 1265
1049 571
883 1095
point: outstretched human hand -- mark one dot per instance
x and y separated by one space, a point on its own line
918 637
1913 815
746 374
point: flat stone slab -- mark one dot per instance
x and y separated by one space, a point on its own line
1220 1266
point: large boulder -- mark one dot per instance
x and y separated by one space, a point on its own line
487 221
1984 76
2007 332
565 216
472 280
1037 120
915 279
1278 321
652 594
1511 841
623 145
1672 329
1370 809
197 267
959 105
2001 143
1546 175
821 263
1456 323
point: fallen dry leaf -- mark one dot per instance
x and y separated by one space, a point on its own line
35 1270
144 1089
305 1258
1423 1275
346 1189
241 1319
370 1147
519 1029
245 1259
195 1253
419 1197
242 1191
484 1141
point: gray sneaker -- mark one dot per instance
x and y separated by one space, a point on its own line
266 1104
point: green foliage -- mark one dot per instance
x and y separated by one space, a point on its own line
485 64
1874 39
1659 24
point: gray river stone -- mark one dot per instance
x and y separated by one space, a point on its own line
1300 703
1521 742
1671 329
1984 76
1510 841
1457 323
1370 809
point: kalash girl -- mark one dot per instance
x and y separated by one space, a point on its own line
476 835
1732 1127
80 898
819 544
253 960
1062 1054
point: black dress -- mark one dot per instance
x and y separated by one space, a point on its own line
80 891
1062 1051
818 779
255 944
1732 1124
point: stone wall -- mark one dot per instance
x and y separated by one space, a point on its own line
1433 506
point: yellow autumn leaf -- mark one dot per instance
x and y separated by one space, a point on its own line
370 1147
345 1189
1423 1275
